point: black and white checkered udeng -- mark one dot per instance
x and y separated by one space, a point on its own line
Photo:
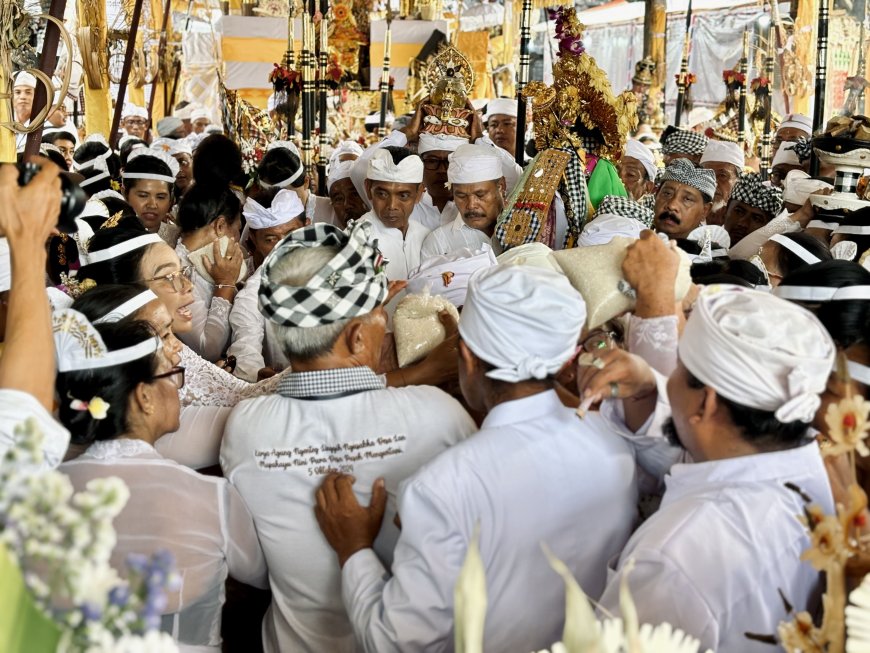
752 191
626 208
686 172
350 285
681 141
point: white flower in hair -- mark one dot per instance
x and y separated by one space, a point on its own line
156 154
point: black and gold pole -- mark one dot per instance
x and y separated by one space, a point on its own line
523 79
385 75
289 62
323 61
743 69
307 62
683 76
766 138
821 76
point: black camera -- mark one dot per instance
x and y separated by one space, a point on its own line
72 202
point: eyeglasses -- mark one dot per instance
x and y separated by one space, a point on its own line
598 340
506 124
175 279
135 122
432 164
175 371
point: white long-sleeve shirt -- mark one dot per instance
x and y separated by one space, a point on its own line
403 253
253 340
534 473
725 540
452 237
16 407
277 450
211 325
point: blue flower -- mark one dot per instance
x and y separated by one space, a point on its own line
119 596
91 612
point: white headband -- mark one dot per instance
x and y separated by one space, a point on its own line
123 248
127 308
858 372
821 224
112 358
163 157
821 293
858 230
798 250
286 182
148 175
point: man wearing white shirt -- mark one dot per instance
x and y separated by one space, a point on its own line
323 289
394 186
726 540
23 92
254 345
534 473
475 177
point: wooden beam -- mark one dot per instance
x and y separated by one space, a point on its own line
161 51
125 73
47 64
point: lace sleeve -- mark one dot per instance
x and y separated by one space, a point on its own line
208 385
655 340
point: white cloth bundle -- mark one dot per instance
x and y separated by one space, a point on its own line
524 321
535 255
448 275
758 351
417 327
606 227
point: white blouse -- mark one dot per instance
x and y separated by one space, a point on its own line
211 315
201 520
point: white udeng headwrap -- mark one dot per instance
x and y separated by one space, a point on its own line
501 106
758 351
472 164
338 171
723 152
637 150
524 321
160 155
286 206
382 168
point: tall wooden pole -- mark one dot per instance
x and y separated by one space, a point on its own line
161 51
47 64
128 60
766 149
683 78
654 32
308 64
523 79
743 69
385 75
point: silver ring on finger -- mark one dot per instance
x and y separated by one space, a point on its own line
614 389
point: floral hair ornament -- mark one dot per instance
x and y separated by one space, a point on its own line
97 406
78 345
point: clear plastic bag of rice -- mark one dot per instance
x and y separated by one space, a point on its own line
416 327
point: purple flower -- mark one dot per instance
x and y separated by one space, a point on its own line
91 612
571 45
119 596
137 563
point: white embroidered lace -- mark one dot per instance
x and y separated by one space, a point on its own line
655 340
118 448
208 385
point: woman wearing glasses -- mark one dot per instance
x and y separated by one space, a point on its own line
121 402
206 215
121 256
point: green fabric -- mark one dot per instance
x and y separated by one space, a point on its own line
23 627
604 180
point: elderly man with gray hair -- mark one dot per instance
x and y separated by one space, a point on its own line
324 290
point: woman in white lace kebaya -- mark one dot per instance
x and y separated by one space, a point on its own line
207 215
123 410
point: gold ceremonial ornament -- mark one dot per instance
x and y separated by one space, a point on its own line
10 15
579 110
449 78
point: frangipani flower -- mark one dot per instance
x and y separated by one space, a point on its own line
827 540
847 422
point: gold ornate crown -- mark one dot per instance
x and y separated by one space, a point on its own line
579 109
448 79
643 71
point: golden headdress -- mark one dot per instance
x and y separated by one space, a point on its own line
580 109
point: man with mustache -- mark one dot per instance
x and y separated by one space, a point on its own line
726 161
475 176
725 544
684 199
752 205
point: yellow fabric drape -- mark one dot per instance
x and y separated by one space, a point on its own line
7 136
237 48
475 46
98 103
157 88
136 95
805 51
